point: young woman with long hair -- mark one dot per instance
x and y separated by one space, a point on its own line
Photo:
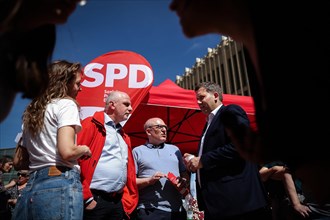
50 124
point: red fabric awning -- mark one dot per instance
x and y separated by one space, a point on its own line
179 110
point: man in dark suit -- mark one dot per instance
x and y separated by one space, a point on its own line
228 187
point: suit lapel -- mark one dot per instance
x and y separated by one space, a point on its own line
210 128
213 123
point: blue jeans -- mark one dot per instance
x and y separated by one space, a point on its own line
48 196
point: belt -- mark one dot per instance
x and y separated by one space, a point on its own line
57 170
105 194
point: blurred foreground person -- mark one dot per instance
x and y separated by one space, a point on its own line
27 41
288 60
284 192
50 124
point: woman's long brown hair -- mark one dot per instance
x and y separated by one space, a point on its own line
62 75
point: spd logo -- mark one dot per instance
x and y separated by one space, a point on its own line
118 70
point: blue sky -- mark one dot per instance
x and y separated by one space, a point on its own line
148 28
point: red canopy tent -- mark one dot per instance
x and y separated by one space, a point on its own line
179 110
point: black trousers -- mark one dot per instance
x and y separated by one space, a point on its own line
156 214
109 207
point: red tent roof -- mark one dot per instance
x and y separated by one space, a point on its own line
179 110
169 94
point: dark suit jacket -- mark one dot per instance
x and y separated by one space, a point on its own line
230 185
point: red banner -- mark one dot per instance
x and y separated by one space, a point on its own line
118 70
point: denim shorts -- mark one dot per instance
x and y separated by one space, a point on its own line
51 196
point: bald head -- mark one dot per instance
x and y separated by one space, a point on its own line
118 106
156 131
115 96
153 121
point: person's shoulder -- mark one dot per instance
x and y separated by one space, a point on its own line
139 148
171 146
231 110
98 116
232 107
64 102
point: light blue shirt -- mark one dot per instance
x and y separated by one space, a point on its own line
111 171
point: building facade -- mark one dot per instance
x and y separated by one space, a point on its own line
224 65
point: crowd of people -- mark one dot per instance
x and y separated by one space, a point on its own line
89 170
103 177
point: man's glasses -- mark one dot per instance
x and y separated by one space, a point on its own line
158 127
22 174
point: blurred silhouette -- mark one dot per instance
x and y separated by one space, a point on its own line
288 61
27 41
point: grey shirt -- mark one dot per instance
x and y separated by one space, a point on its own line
164 158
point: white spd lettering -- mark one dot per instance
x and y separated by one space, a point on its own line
117 71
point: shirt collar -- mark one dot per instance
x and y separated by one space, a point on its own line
110 122
213 113
151 146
